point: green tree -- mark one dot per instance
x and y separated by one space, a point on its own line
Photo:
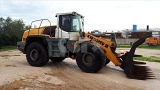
10 31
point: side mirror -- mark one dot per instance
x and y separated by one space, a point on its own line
83 23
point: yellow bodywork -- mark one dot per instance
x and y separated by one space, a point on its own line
34 31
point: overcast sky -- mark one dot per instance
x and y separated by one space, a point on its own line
99 14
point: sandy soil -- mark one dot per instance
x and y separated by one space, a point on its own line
16 74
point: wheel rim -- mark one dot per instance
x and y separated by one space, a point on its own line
34 54
88 59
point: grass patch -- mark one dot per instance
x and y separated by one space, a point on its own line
123 46
141 46
150 59
5 48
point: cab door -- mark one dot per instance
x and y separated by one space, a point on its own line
68 27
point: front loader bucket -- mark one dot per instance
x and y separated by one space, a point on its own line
134 69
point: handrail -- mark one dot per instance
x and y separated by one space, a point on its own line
39 25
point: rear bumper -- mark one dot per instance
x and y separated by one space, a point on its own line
21 46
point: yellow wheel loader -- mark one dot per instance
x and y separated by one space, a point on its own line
68 39
153 41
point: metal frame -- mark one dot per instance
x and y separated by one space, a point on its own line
40 25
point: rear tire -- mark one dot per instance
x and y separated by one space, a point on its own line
57 59
91 61
36 55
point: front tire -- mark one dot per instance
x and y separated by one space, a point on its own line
107 61
91 61
36 55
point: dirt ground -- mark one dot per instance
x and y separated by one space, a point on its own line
17 74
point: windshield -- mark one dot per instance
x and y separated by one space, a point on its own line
70 23
76 25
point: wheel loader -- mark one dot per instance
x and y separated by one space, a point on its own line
153 41
67 39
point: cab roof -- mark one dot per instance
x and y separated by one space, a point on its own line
69 13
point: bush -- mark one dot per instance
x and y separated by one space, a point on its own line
10 31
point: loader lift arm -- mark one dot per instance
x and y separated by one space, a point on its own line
131 68
106 46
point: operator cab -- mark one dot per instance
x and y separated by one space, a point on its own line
69 25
